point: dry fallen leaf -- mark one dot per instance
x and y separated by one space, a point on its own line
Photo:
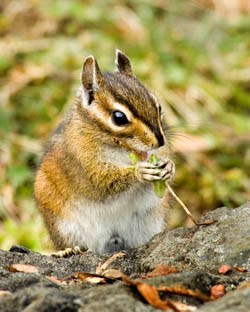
217 291
95 280
179 290
25 268
114 274
56 280
162 270
5 293
241 269
183 307
224 269
88 278
150 294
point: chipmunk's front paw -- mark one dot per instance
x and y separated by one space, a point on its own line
163 170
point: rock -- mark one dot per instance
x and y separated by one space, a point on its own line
236 301
50 298
197 253
207 247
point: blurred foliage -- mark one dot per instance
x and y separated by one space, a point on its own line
193 54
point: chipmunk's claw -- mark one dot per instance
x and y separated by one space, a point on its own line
68 252
163 170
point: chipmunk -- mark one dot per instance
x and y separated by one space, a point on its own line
85 187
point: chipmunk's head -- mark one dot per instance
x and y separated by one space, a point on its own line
119 107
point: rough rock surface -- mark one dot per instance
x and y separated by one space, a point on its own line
196 252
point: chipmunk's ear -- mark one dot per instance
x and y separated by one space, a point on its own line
91 79
123 63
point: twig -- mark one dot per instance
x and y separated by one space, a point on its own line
186 208
103 267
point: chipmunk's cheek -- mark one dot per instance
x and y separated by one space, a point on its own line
136 146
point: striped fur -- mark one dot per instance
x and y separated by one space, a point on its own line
85 188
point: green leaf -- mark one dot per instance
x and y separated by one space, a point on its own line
133 158
153 159
159 186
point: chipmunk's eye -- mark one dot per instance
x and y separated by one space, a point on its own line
119 118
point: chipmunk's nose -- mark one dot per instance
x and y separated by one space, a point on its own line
160 140
155 137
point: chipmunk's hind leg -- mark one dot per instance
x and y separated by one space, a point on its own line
68 252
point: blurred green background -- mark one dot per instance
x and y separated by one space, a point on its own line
193 54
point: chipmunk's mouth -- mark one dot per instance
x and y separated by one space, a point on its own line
143 155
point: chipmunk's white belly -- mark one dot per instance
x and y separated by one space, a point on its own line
134 215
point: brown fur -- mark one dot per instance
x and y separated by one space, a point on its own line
73 166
